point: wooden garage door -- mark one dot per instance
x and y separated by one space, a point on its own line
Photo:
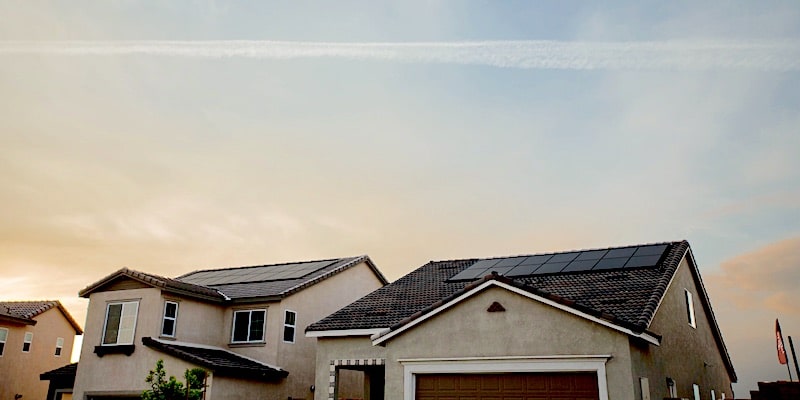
522 386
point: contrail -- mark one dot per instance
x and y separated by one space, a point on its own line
523 54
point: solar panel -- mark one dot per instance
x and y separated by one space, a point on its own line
580 265
551 267
523 270
573 261
563 257
256 274
623 252
610 263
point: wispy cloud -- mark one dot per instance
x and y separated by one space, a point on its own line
524 54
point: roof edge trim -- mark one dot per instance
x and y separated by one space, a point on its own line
372 332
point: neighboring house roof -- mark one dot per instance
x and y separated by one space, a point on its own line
222 362
242 284
626 297
169 284
24 312
66 372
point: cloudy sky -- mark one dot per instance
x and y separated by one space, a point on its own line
174 136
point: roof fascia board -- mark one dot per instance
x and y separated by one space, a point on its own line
123 273
383 338
347 332
17 320
671 279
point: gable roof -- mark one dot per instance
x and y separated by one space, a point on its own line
24 312
625 297
248 287
222 362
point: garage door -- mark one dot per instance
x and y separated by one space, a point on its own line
523 386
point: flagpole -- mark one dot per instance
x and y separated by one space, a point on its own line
782 357
794 357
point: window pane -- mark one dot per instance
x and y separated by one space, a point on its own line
290 318
112 323
169 327
3 335
171 310
288 334
2 347
241 320
58 351
26 347
257 325
127 323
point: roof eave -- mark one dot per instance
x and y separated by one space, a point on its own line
17 320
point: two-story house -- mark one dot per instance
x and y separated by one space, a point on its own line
622 323
35 337
243 325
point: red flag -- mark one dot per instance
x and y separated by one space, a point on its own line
779 339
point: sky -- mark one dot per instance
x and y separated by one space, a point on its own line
174 136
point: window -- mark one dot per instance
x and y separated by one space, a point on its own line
289 326
170 319
120 323
690 309
713 395
59 346
3 338
26 344
696 391
248 326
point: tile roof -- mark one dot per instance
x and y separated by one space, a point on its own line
627 296
67 371
242 291
25 312
222 362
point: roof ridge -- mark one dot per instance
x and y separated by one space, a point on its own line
559 252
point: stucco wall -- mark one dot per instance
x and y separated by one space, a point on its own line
238 389
688 355
526 328
311 305
19 372
129 372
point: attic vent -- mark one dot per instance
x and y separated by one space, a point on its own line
377 313
619 277
496 307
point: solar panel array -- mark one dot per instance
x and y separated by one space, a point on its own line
255 274
575 261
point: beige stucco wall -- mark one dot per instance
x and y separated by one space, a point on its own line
311 305
526 328
128 372
687 355
239 389
19 372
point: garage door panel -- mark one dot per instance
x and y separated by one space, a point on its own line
510 386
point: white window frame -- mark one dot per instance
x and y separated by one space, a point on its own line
690 308
173 319
28 339
696 391
4 340
287 325
478 365
59 346
249 323
122 310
